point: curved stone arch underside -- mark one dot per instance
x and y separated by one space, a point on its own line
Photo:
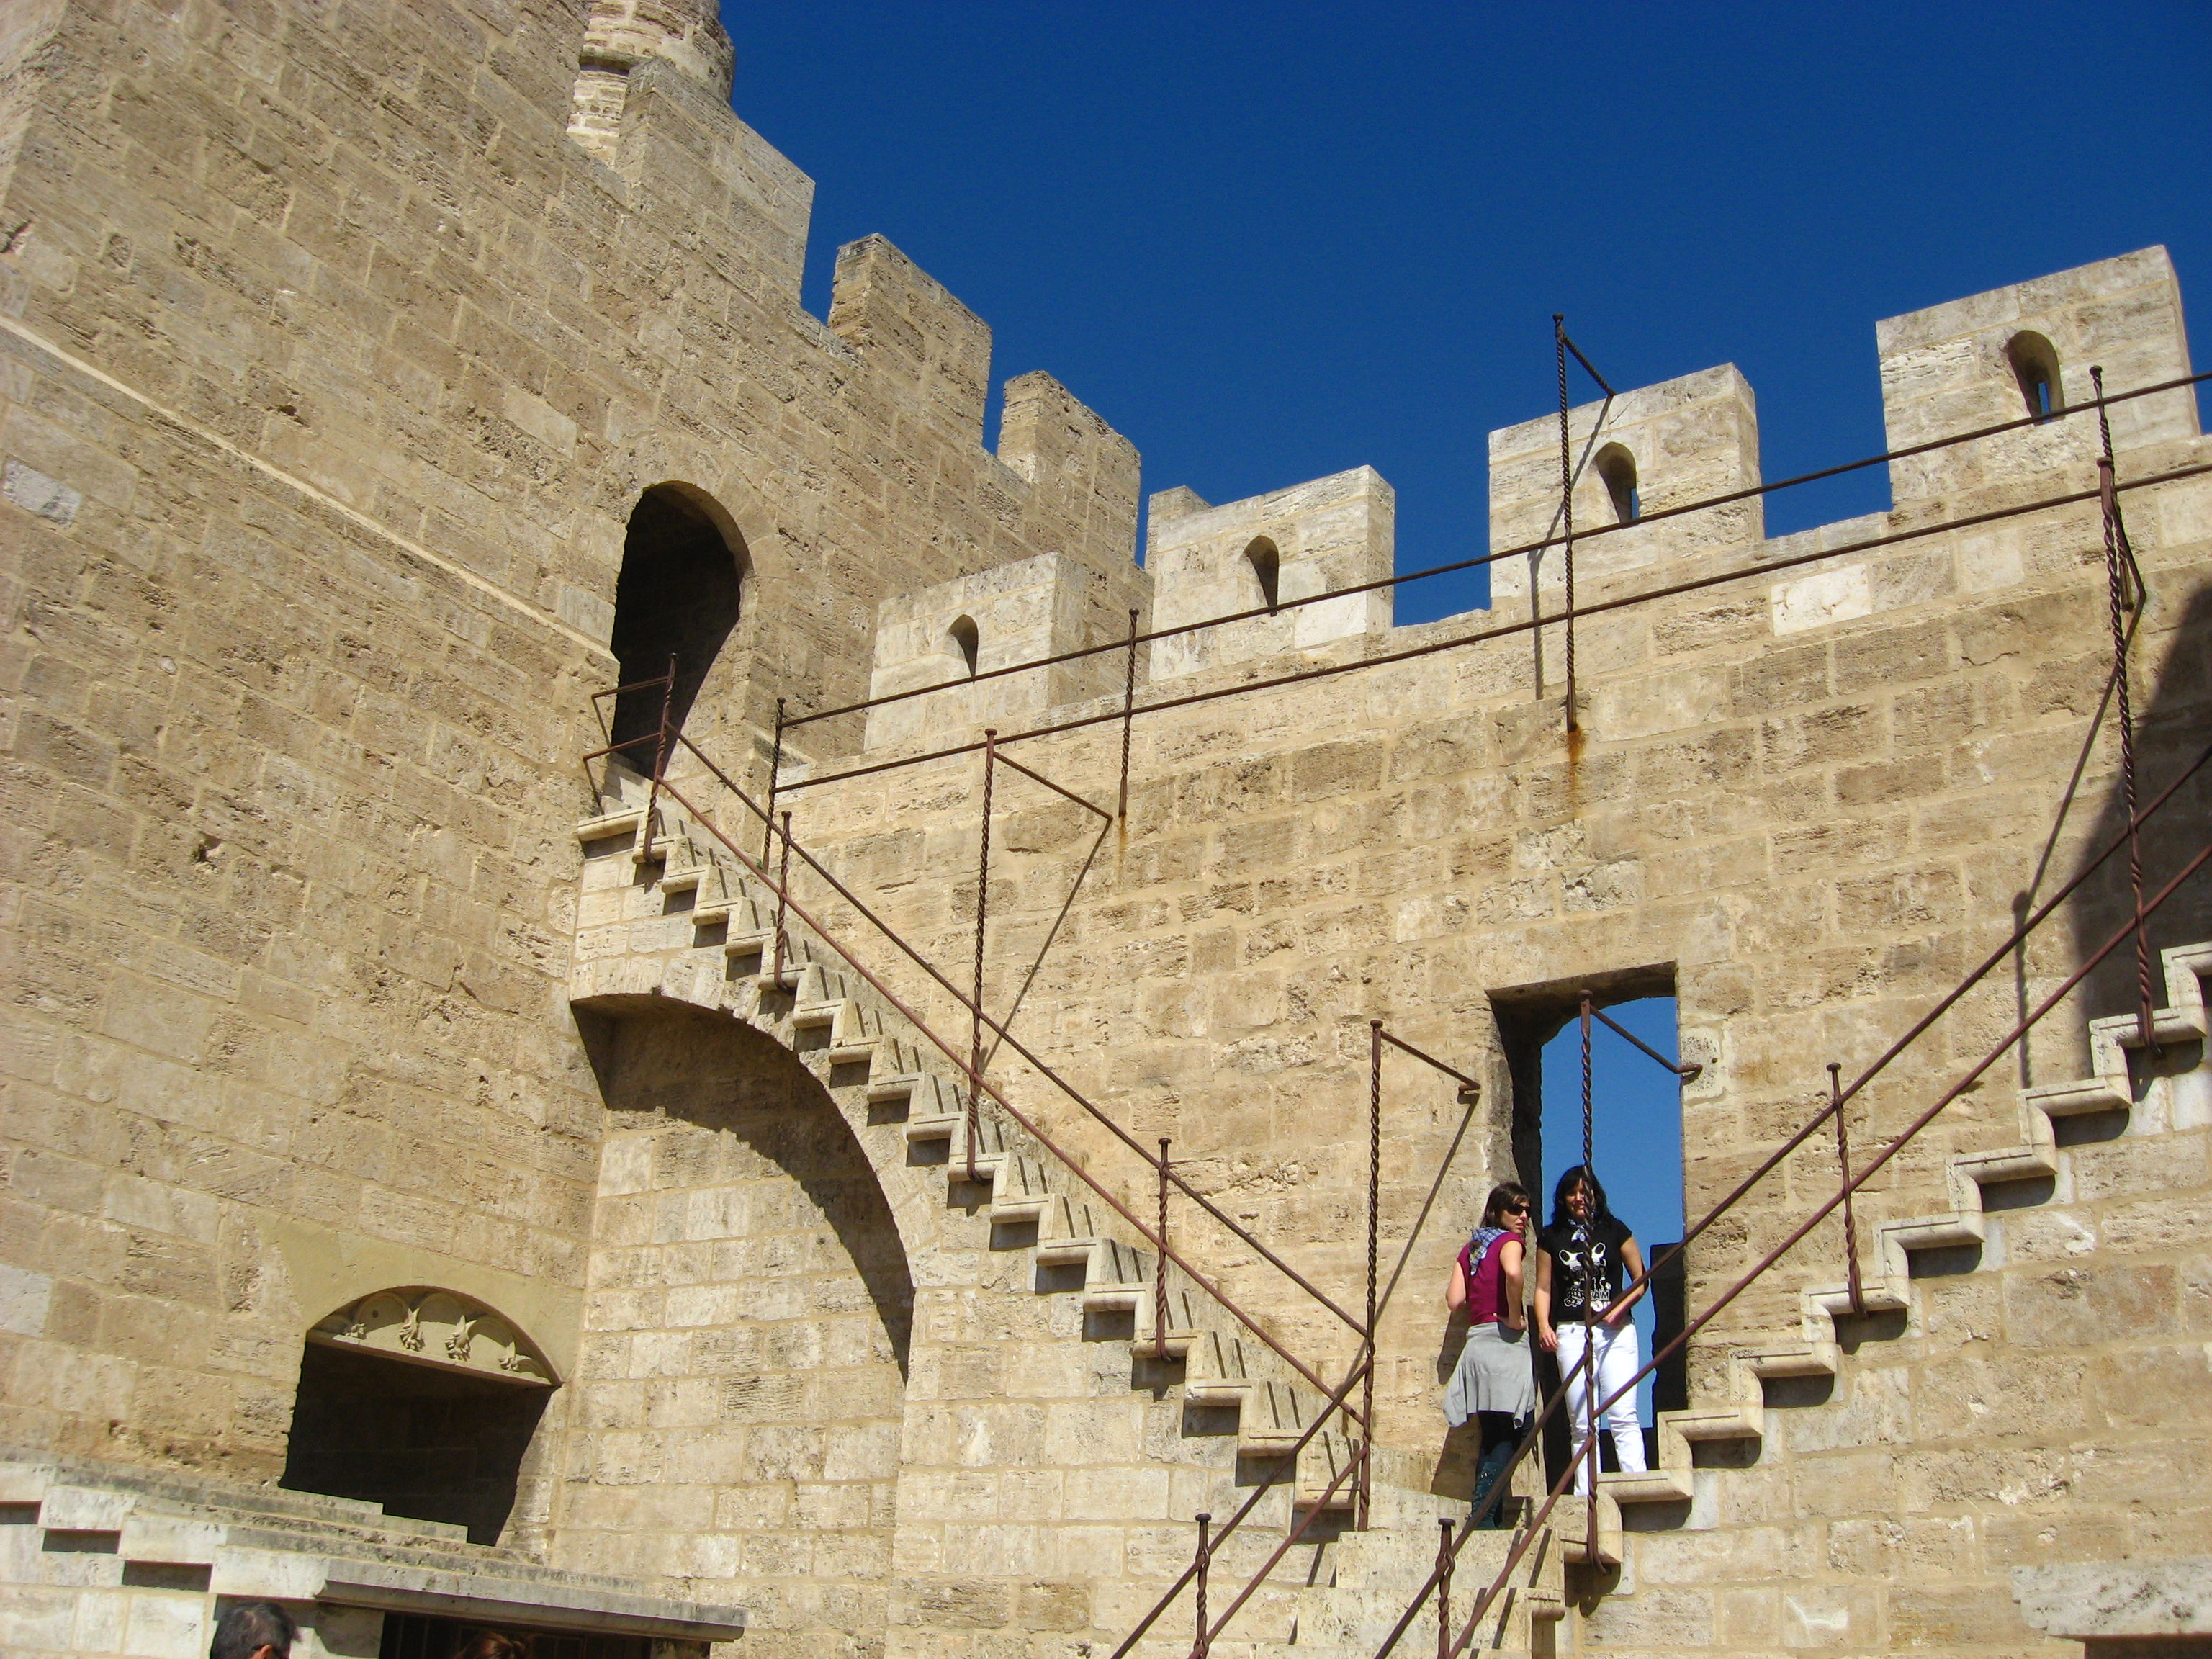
719 487
429 1325
914 1193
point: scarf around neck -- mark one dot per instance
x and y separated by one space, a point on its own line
1478 1247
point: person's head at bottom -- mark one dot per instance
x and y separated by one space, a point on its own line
490 1645
254 1630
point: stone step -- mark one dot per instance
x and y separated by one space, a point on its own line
255 1542
86 1495
618 820
1886 1281
1222 1367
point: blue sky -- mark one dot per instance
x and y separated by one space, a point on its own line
1268 242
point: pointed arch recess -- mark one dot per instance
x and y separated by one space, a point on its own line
677 596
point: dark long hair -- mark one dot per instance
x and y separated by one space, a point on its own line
1504 1193
1580 1176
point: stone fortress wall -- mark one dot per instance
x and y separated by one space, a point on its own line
341 345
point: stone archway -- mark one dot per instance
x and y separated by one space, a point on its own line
741 1386
677 602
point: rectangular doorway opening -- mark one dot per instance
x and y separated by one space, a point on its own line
1636 1146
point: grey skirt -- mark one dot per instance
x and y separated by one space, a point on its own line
1494 1374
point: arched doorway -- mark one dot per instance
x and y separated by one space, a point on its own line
677 597
421 1400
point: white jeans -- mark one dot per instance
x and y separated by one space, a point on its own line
1617 1361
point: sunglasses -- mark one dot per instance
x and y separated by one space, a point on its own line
1514 1209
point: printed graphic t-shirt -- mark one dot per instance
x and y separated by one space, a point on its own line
1584 1257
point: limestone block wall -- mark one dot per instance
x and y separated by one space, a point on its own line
1332 533
332 366
1810 799
1685 439
742 1386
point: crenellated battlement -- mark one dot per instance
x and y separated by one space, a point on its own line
1952 368
1660 446
1976 362
1206 562
926 353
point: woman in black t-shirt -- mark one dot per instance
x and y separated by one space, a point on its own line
1583 1259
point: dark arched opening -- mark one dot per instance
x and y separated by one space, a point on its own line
1266 569
421 1400
1616 468
677 598
966 640
2034 363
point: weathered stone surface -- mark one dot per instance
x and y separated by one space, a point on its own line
2115 1598
336 351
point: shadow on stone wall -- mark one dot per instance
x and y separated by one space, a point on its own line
772 1133
2172 726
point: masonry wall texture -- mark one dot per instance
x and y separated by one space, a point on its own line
338 343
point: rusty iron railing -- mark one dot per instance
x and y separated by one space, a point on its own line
1819 1213
2126 591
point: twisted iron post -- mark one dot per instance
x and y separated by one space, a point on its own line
982 911
1374 1226
775 775
1566 515
1200 1647
782 903
2116 591
1843 1163
1589 1230
1128 720
1160 1266
1443 1575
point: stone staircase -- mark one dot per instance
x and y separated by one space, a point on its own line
833 1021
1813 1350
84 1526
1373 1575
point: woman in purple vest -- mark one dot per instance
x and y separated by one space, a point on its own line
1493 1381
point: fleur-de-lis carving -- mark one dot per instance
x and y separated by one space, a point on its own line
457 1344
410 1329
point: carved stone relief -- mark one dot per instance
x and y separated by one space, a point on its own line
425 1326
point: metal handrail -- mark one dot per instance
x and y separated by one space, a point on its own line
1728 498
1288 1460
1037 1062
1828 1207
1167 1252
